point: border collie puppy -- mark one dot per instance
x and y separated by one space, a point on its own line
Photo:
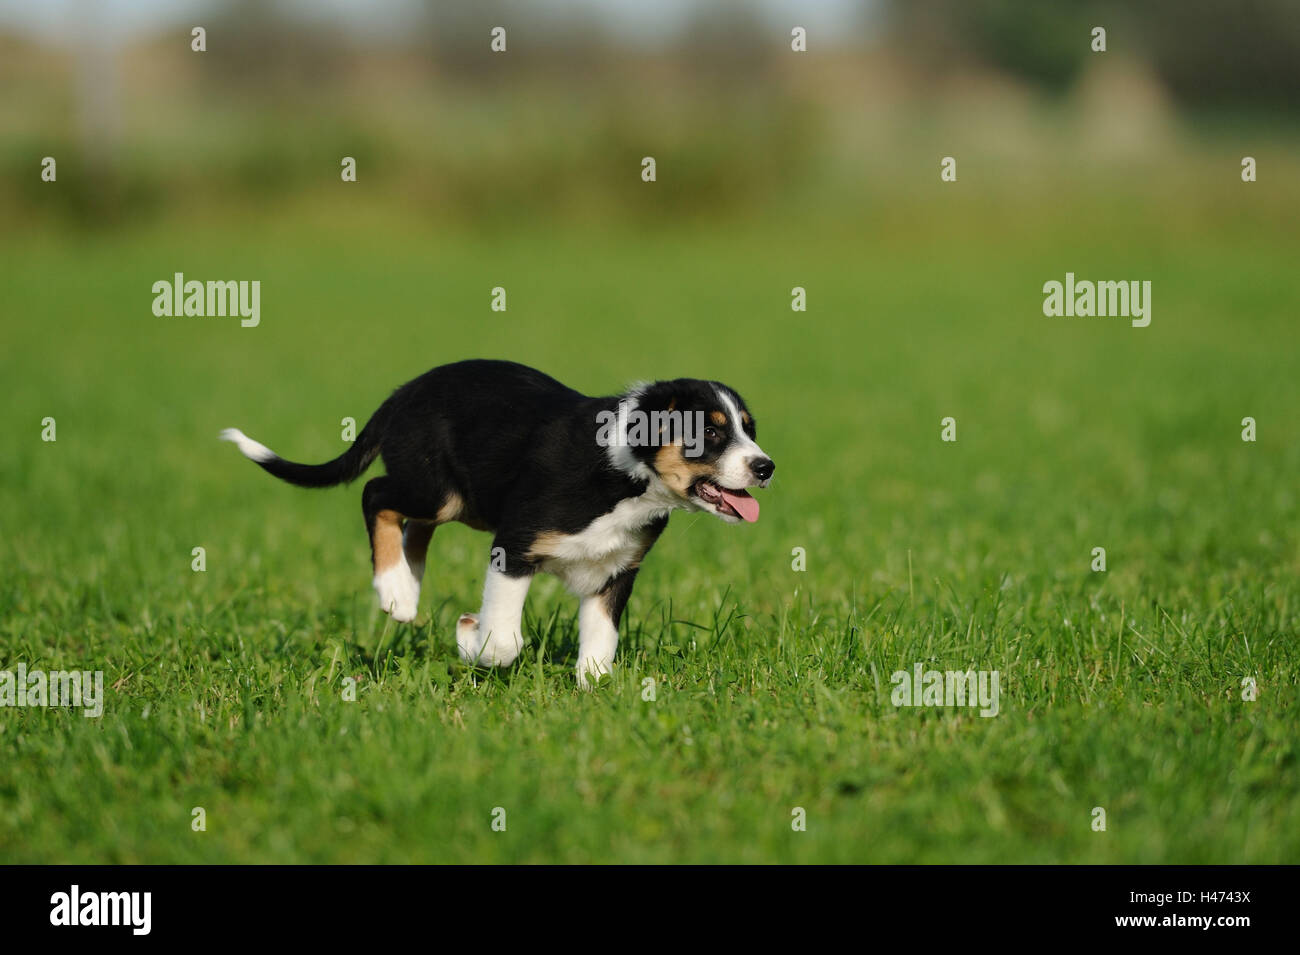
575 486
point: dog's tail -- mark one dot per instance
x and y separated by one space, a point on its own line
347 467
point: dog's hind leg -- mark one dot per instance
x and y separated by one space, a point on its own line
415 546
395 582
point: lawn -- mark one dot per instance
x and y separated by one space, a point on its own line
771 687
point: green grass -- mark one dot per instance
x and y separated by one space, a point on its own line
1120 690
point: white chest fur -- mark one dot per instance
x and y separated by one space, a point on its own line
608 545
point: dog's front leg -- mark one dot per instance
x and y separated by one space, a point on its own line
496 635
598 618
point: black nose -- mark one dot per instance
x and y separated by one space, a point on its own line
762 468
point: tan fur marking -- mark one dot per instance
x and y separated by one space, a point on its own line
718 417
451 508
387 540
546 545
744 416
675 471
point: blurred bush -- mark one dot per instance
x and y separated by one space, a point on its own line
444 130
1207 53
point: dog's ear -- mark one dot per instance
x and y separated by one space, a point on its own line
650 401
660 396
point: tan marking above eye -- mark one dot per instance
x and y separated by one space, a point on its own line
717 417
744 416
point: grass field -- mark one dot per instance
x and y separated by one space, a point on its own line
1120 689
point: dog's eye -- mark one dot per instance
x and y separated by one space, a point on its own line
710 432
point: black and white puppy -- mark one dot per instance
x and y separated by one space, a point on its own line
575 486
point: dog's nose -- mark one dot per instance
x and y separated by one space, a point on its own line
762 468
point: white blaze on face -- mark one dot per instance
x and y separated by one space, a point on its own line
733 465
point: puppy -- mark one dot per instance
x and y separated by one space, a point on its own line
574 486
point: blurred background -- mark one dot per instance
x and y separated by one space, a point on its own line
446 131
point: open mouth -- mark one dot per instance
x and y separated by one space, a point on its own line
726 501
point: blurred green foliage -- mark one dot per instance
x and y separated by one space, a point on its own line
447 131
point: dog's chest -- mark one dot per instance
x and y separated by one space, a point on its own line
610 544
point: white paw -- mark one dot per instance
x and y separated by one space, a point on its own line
467 642
500 651
591 670
492 651
399 593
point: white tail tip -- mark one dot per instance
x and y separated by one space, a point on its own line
253 450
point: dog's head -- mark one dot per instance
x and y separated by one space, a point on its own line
698 438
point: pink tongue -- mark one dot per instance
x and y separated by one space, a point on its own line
743 504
